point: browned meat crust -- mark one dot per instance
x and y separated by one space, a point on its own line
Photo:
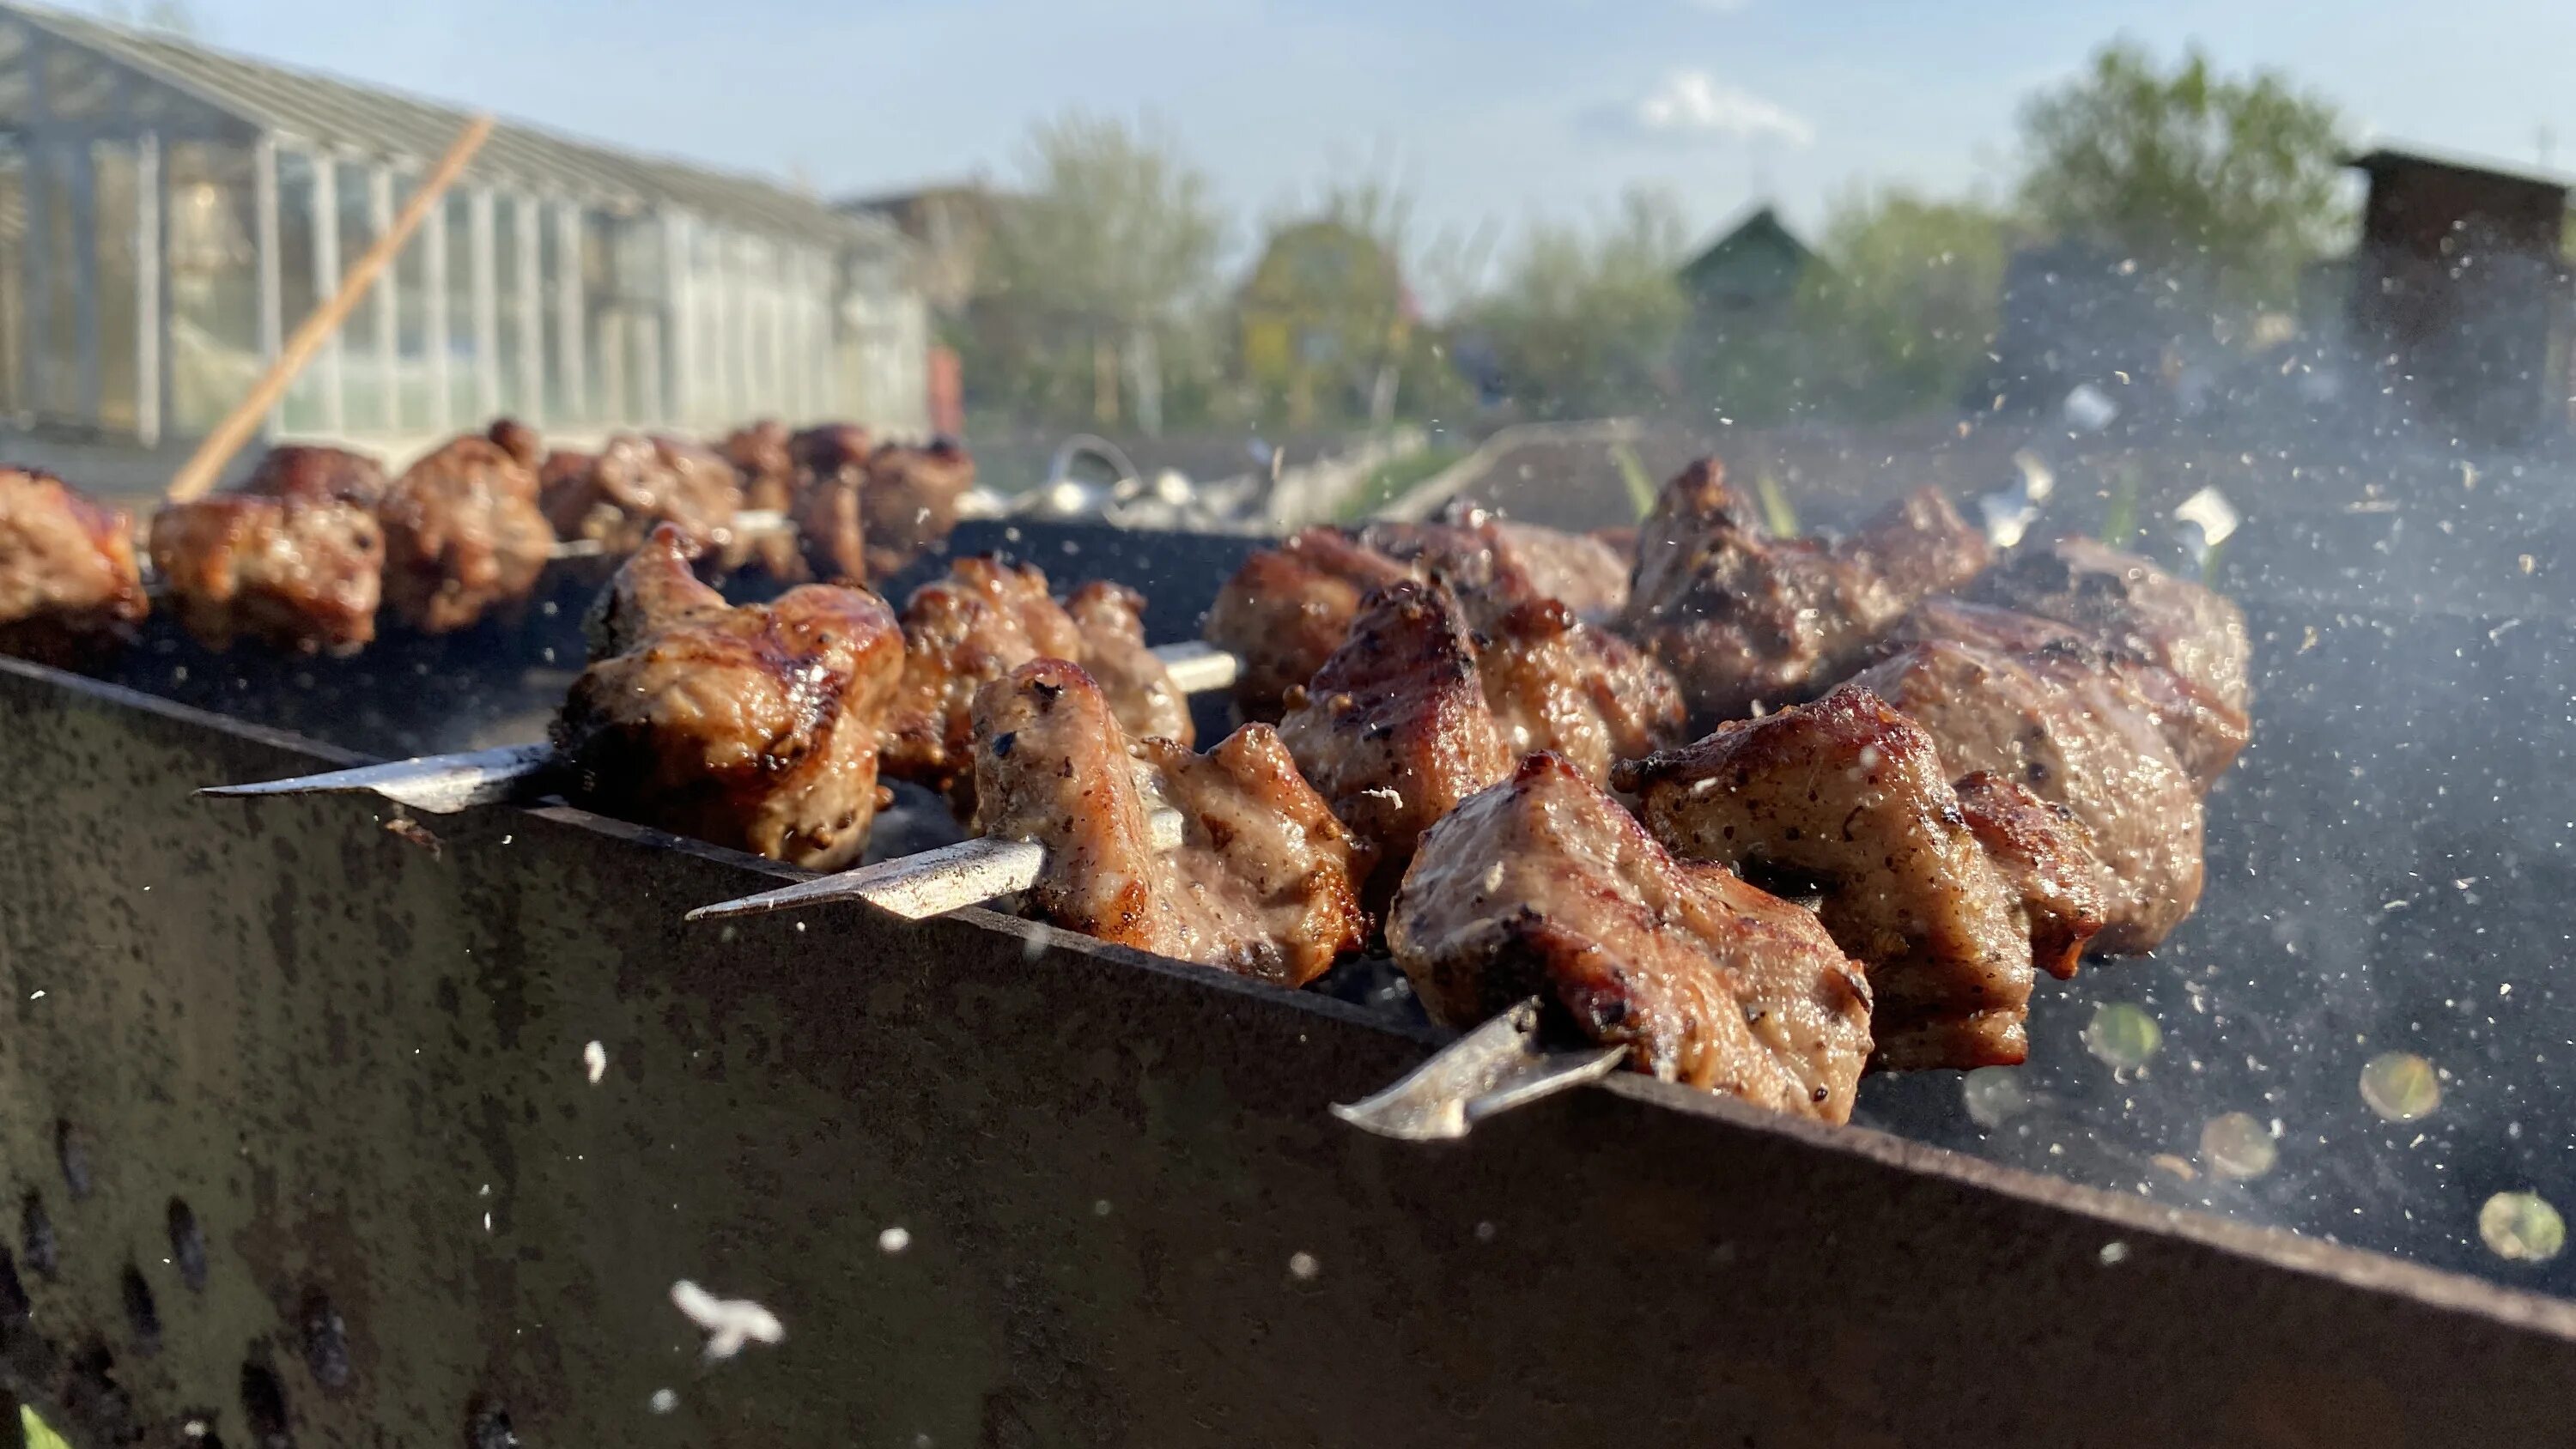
69 583
1543 885
301 572
1742 618
1111 618
1262 883
634 485
752 727
463 536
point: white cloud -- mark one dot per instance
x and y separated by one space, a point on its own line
1693 103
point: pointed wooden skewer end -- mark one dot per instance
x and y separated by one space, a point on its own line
1498 1066
437 784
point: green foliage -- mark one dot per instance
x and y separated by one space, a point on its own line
1109 245
2187 169
1322 316
1585 322
1903 307
1393 479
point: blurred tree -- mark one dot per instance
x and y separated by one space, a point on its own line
2188 170
1901 312
1098 279
1583 324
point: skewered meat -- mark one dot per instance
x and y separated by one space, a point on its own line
2084 739
911 500
463 535
985 619
761 459
1111 618
69 584
2205 732
1480 553
1544 885
1394 729
301 568
1743 618
633 485
316 474
831 464
2044 856
1287 609
1262 881
1849 798
2131 605
753 727
521 442
1557 683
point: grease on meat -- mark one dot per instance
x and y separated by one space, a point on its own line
1262 883
69 583
463 536
1543 885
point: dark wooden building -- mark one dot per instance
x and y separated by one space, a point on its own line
2460 290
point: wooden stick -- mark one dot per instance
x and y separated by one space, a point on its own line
217 450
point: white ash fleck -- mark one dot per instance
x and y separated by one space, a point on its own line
594 1062
1485 1232
663 1401
894 1240
1100 1208
2114 1254
729 1322
1303 1266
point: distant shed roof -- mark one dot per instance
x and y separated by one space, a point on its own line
2381 159
1758 257
330 112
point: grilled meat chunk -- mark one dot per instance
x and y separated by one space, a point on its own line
910 503
1743 618
633 485
1483 554
302 568
831 464
2046 858
1111 618
1287 609
2084 739
752 727
2206 732
317 475
767 470
1394 728
1557 683
1849 798
463 535
69 584
2131 605
1542 885
1262 882
519 441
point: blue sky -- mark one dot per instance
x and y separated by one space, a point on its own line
1490 111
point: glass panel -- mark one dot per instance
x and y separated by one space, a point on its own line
77 86
13 299
363 384
505 271
57 382
16 94
213 282
412 386
462 402
302 409
551 268
113 167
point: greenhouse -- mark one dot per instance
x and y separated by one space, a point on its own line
169 213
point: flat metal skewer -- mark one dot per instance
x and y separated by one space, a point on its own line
749 523
932 883
1498 1066
445 784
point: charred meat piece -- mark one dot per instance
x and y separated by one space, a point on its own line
1262 882
1287 609
2083 739
2047 860
761 459
1557 683
752 727
1482 554
1543 885
985 619
316 475
463 536
2206 732
1394 728
910 503
1848 798
1743 618
519 441
633 485
831 464
2130 604
302 570
1111 618
69 585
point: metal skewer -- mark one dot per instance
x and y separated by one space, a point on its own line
525 772
1498 1066
933 883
